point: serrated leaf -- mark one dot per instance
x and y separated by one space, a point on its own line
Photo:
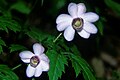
2 42
16 47
7 74
78 62
3 27
9 24
76 66
57 64
21 7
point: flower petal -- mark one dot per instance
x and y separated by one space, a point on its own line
44 58
61 26
38 71
81 8
63 18
89 27
30 71
38 48
84 34
25 56
90 17
45 65
69 33
72 9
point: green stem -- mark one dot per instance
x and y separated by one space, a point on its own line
16 67
57 38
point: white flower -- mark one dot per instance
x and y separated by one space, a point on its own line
78 21
38 62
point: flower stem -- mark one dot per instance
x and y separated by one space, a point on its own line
57 38
16 67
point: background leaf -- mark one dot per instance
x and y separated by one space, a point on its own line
7 74
80 65
113 5
16 47
2 43
8 23
21 7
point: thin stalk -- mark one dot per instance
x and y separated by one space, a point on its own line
57 38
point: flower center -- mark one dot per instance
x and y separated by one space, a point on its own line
77 24
34 61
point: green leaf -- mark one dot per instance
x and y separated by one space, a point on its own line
16 47
57 64
2 42
100 27
80 64
7 74
21 7
100 24
76 66
6 23
37 34
1 50
3 27
5 13
113 5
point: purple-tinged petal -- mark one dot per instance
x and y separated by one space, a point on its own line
25 56
90 17
30 71
63 18
81 9
38 49
73 9
63 25
38 70
84 34
69 33
89 27
45 65
44 58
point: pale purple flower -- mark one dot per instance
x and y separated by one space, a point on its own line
78 21
38 61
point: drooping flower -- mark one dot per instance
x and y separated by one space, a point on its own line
38 61
78 21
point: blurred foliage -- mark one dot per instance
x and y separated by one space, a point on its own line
116 75
21 7
16 47
114 6
7 74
